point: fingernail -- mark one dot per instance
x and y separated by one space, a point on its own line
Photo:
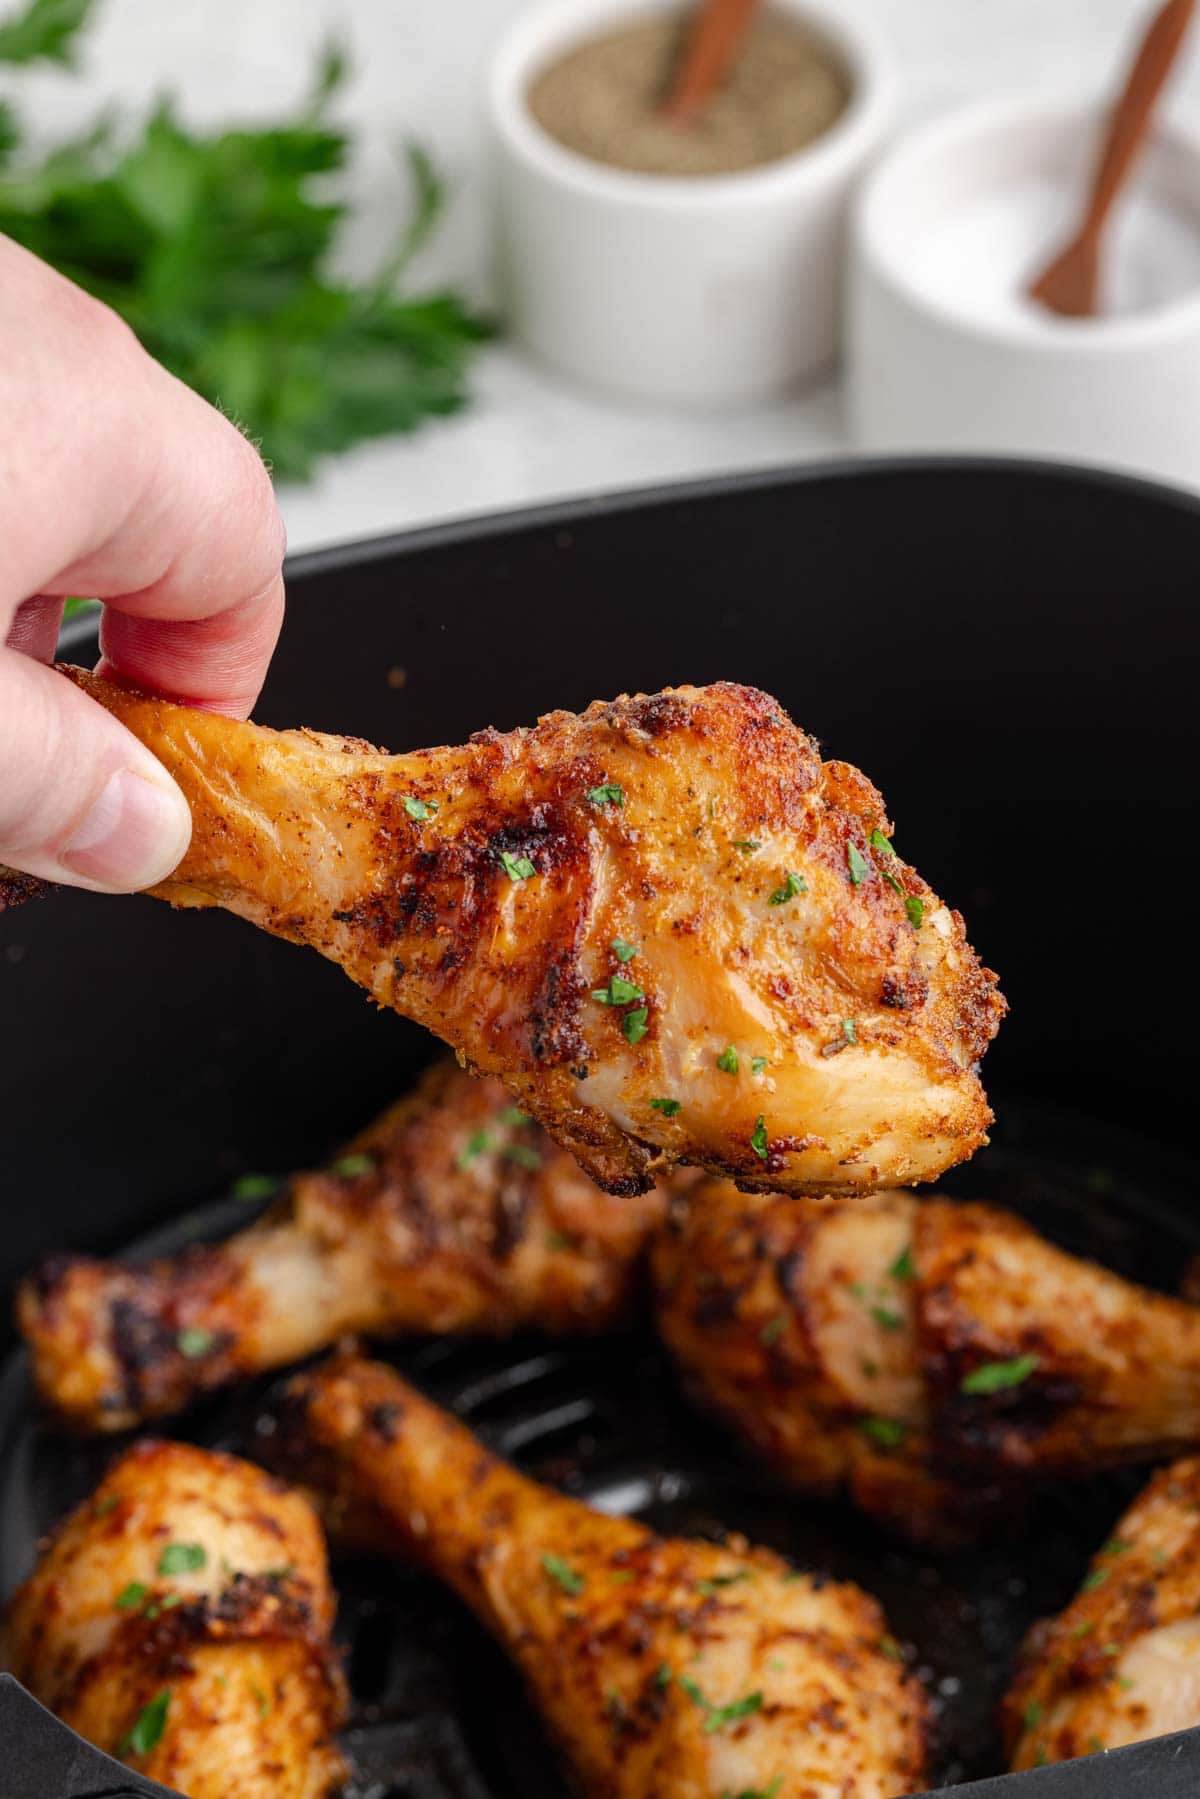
134 835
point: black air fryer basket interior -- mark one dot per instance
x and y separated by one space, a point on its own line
1007 651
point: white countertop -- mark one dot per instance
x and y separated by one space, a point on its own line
529 436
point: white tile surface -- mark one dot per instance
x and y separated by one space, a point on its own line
530 437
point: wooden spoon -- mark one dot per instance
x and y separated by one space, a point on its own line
712 43
1069 284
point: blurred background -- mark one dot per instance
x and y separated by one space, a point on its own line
416 72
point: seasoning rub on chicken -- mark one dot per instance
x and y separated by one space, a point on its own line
1122 1662
179 1619
668 926
452 1212
660 1666
934 1359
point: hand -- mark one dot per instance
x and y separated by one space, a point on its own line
118 482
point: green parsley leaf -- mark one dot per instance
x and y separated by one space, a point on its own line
793 884
610 794
758 1139
261 1700
194 1342
670 1108
663 1677
350 1167
1088 1625
514 1116
1095 1746
773 1330
1033 1715
249 1187
620 1577
858 865
559 1240
517 868
896 885
419 809
888 1433
619 991
1095 1579
914 905
759 1064
131 1596
1124 1682
997 1377
890 1647
727 1061
850 1030
564 1575
767 1792
106 1506
721 1715
879 842
523 1155
474 1146
903 1268
182 1558
146 1732
44 31
634 1025
624 952
885 1318
715 1584
1116 1546
749 846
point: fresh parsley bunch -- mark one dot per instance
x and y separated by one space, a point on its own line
216 249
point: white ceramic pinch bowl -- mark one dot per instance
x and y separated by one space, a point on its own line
946 352
702 291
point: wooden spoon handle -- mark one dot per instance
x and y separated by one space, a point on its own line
712 42
1132 113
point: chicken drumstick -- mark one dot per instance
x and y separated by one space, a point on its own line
180 1619
660 1666
934 1358
452 1212
668 926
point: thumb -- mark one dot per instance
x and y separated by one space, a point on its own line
81 800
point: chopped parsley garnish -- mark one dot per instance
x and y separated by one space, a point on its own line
624 952
634 1024
793 884
663 1677
998 1377
619 991
1124 1682
1095 1746
773 1330
858 865
474 1146
1032 1715
517 868
182 1558
759 1064
896 885
350 1167
885 1318
850 1030
513 1115
1116 1546
419 809
727 1061
108 1504
890 1647
1095 1579
261 1700
146 1732
767 1792
879 842
1084 1629
249 1187
194 1342
564 1575
131 1596
903 1268
914 905
747 845
670 1108
758 1139
559 1240
721 1715
888 1433
610 794
620 1577
714 1585
522 1155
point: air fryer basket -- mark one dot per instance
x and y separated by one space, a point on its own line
1006 651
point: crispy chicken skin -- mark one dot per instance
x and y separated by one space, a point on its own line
933 1358
783 995
660 1666
452 1212
193 1575
1122 1662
